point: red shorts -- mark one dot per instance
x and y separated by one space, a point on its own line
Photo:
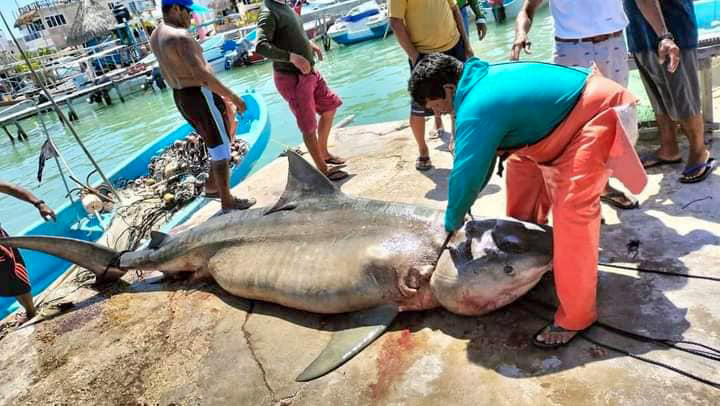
307 96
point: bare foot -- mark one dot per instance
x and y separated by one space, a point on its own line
553 336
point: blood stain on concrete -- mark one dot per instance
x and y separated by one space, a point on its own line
394 358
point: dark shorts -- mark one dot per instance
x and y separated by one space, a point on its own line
206 112
457 52
14 280
307 95
677 94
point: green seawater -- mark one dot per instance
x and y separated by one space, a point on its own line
370 77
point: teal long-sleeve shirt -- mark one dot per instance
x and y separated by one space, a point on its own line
503 106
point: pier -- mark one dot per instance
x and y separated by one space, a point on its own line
116 78
162 342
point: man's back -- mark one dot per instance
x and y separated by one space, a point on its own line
175 50
430 23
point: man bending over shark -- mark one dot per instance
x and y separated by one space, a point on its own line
200 97
560 128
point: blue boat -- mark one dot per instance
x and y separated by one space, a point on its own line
74 222
364 22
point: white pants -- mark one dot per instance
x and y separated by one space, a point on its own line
610 57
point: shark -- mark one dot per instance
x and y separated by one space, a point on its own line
320 250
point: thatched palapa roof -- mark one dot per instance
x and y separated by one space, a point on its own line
27 18
93 19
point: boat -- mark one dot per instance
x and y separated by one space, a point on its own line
73 221
364 22
214 53
241 49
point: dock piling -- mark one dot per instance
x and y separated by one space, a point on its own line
22 135
117 89
9 135
72 115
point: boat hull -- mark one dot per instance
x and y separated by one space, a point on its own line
74 222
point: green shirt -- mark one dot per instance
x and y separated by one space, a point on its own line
503 106
280 32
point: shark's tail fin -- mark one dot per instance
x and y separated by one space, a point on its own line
102 261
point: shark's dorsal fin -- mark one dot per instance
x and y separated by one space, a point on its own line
303 182
345 344
156 239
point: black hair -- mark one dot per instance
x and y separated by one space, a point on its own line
430 74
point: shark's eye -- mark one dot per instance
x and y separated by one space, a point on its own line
508 269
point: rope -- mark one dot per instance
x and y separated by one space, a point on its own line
656 271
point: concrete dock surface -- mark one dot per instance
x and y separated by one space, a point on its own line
145 341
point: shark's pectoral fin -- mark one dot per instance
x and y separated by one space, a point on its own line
347 343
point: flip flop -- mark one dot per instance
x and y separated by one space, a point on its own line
554 329
611 197
707 168
212 195
337 175
423 163
333 160
653 160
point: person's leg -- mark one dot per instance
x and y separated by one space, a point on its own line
216 136
326 105
26 301
579 176
694 129
417 126
610 58
324 127
669 149
527 197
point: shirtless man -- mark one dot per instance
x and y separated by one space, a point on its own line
205 103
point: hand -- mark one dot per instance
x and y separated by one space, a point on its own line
521 43
231 112
301 63
481 30
668 49
414 57
317 51
468 51
239 104
45 212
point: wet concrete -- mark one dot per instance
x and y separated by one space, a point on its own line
151 342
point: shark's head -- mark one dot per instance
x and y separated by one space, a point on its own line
490 263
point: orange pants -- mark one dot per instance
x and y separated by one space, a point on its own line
566 172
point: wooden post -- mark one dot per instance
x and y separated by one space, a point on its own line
117 89
21 133
9 135
73 116
706 93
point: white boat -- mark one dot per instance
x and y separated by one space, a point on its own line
364 22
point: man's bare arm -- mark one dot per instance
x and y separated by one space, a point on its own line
189 50
27 196
403 38
651 11
523 22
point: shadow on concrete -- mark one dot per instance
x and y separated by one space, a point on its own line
666 228
501 340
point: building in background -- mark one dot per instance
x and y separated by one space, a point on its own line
46 23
